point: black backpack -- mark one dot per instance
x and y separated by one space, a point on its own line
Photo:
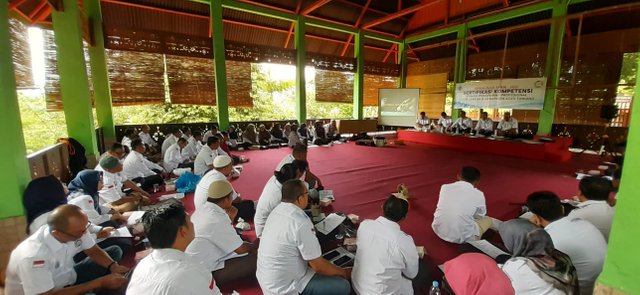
77 158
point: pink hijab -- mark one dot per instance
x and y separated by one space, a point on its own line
476 273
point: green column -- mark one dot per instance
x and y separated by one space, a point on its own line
402 59
74 82
460 68
14 169
621 266
301 59
99 72
358 79
217 32
552 67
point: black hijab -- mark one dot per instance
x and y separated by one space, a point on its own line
41 196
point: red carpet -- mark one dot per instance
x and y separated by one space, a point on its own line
362 177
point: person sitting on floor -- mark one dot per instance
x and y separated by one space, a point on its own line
422 123
40 197
233 138
139 169
294 137
319 135
224 145
461 212
299 153
174 157
223 167
111 194
43 263
170 140
250 136
264 137
484 126
116 150
187 134
387 261
211 132
272 192
194 145
578 238
168 270
536 267
444 122
508 126
217 245
204 160
277 133
303 133
475 274
290 259
463 124
129 136
146 138
331 130
286 130
593 207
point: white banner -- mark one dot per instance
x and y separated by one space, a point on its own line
519 94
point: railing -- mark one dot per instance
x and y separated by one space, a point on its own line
52 160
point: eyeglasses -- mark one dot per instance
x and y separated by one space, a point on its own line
77 237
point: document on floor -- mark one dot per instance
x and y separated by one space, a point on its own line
135 217
177 196
122 232
488 248
330 223
327 194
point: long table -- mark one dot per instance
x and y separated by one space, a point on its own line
557 151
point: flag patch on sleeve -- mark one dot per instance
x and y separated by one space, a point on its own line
38 264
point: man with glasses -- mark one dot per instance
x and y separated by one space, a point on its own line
43 263
290 259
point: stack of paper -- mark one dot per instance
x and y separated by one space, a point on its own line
176 196
330 223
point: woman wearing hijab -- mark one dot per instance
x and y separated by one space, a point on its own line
250 135
41 196
476 274
303 132
536 267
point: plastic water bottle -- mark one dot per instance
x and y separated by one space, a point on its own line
435 288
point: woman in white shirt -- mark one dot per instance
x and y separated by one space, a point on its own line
536 267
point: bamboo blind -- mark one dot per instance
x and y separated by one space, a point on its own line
21 53
135 77
433 91
374 82
334 86
191 80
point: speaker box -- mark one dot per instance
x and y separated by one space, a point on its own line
609 112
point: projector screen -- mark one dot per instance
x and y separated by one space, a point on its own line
398 106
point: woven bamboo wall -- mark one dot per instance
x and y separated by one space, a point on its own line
21 53
371 85
135 77
334 86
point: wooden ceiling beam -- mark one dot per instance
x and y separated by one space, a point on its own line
314 6
286 42
358 21
14 4
399 14
370 9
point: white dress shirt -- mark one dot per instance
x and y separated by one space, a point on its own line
41 263
599 213
136 165
126 141
445 121
385 260
112 187
171 272
486 124
173 157
463 123
269 199
422 121
147 139
458 206
86 203
288 243
193 147
506 125
586 246
204 159
525 281
168 142
286 160
208 134
200 195
215 240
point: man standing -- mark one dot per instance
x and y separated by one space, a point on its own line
593 207
290 259
484 126
204 159
463 124
170 140
575 237
168 270
387 260
138 169
508 126
422 123
461 212
217 245
43 263
174 157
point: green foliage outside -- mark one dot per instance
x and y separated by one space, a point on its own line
40 128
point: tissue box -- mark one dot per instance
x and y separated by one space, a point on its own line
350 244
325 202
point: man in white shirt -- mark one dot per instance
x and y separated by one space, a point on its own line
217 245
460 216
575 237
593 195
290 259
299 153
422 123
111 193
211 132
387 260
204 159
444 122
127 138
463 124
43 263
174 157
168 270
485 125
170 140
146 138
194 145
331 130
116 150
138 169
508 126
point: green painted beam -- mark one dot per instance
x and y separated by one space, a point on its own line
358 79
403 60
621 266
14 169
301 61
222 101
100 73
433 34
254 9
74 81
460 69
552 67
